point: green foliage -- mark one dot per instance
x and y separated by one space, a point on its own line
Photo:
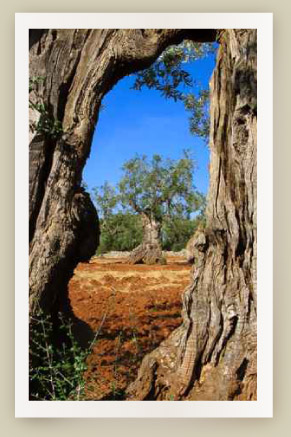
160 188
55 372
169 76
177 232
121 232
107 199
199 109
34 81
118 231
46 125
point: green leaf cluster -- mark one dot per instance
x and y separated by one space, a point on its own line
56 372
160 188
47 125
123 232
107 199
169 76
177 232
120 232
34 81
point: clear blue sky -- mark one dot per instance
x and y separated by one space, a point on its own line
144 122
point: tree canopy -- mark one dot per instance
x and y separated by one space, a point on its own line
160 187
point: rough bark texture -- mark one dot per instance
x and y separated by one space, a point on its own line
212 355
197 241
150 250
78 67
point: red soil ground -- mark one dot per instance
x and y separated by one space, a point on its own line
132 308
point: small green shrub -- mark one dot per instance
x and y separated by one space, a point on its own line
55 372
47 125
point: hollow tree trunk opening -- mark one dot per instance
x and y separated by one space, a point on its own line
150 250
71 71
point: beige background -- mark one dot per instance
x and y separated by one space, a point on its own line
282 293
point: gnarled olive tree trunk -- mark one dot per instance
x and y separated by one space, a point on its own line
212 355
71 70
150 250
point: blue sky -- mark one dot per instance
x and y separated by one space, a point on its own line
144 122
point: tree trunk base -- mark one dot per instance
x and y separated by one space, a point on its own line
162 377
146 254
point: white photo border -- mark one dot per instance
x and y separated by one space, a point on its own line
263 407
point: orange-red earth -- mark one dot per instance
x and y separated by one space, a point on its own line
131 309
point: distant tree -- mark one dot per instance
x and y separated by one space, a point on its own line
122 230
169 76
158 189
